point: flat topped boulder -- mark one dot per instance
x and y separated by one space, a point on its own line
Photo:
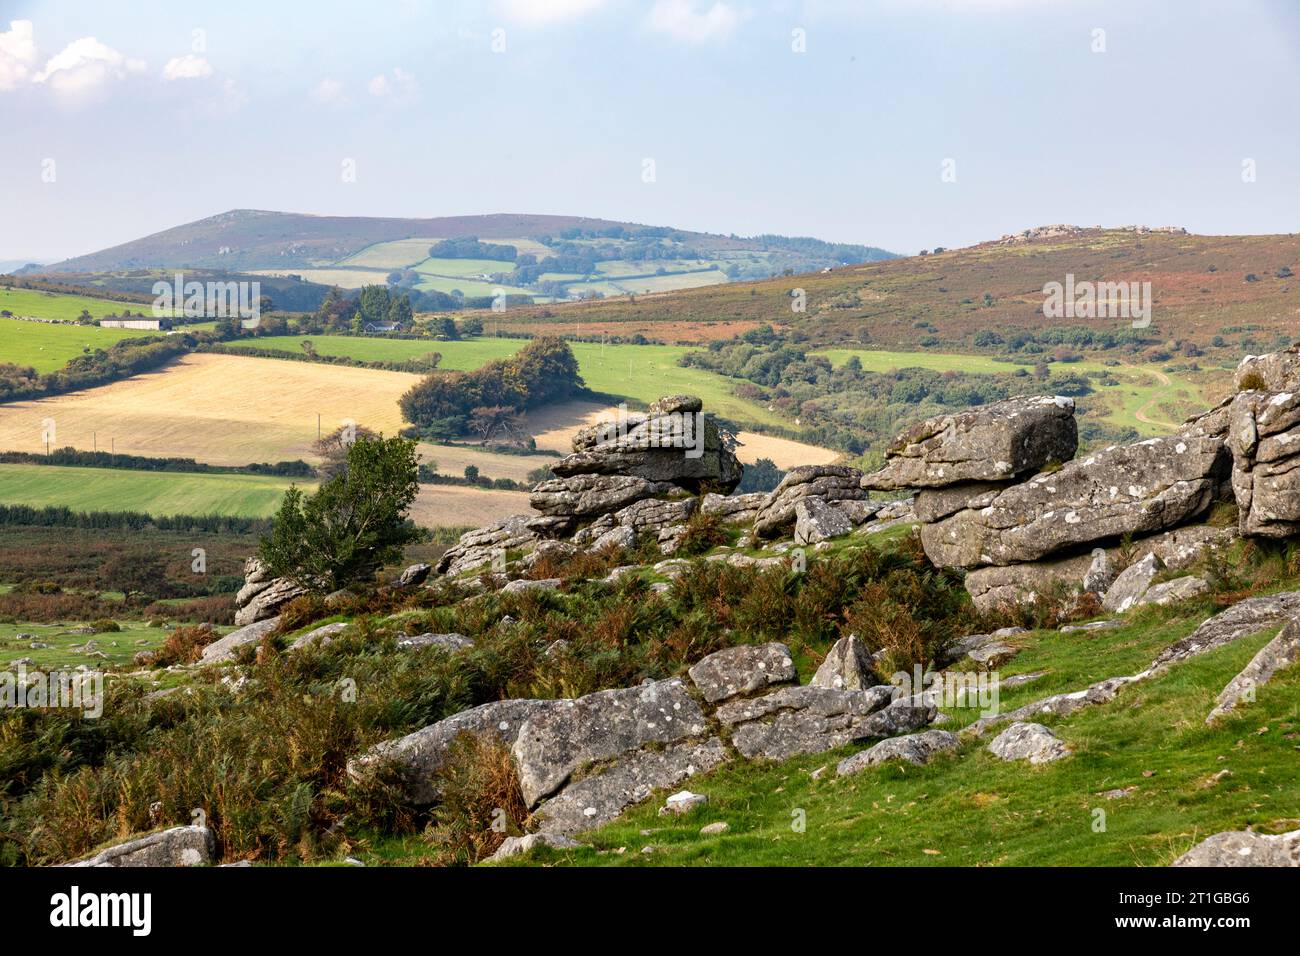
574 734
1137 489
742 670
673 441
989 443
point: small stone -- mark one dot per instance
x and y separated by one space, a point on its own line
683 802
713 829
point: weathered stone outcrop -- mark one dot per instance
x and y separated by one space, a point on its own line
583 497
993 442
816 521
830 483
1125 489
574 734
178 846
672 442
998 585
1244 848
478 548
743 669
1131 583
847 666
262 596
1281 652
1264 438
1032 742
734 509
599 798
1241 620
914 748
225 648
420 755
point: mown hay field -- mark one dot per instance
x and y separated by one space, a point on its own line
219 409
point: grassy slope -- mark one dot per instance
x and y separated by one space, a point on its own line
640 373
47 347
104 489
118 647
976 810
1139 401
1191 301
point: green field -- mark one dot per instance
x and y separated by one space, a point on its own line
158 493
63 649
463 267
47 347
1136 402
641 373
52 305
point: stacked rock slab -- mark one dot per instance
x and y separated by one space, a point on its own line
995 442
672 450
1264 438
262 596
1135 489
838 486
999 493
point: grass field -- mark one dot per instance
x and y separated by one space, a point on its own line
53 305
63 648
105 489
1147 398
343 278
47 347
463 267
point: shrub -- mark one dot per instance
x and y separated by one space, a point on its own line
353 525
184 645
105 626
481 801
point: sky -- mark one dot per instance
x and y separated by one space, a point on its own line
906 124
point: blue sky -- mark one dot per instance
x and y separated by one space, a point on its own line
149 124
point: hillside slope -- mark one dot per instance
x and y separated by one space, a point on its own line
261 239
1234 287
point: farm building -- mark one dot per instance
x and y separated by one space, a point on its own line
155 325
383 326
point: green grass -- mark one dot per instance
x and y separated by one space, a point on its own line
641 373
48 347
1141 389
973 809
463 267
118 647
106 489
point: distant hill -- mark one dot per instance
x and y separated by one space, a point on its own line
1213 291
548 257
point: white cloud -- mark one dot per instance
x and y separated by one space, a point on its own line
399 85
546 11
187 67
17 54
692 22
330 92
86 64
